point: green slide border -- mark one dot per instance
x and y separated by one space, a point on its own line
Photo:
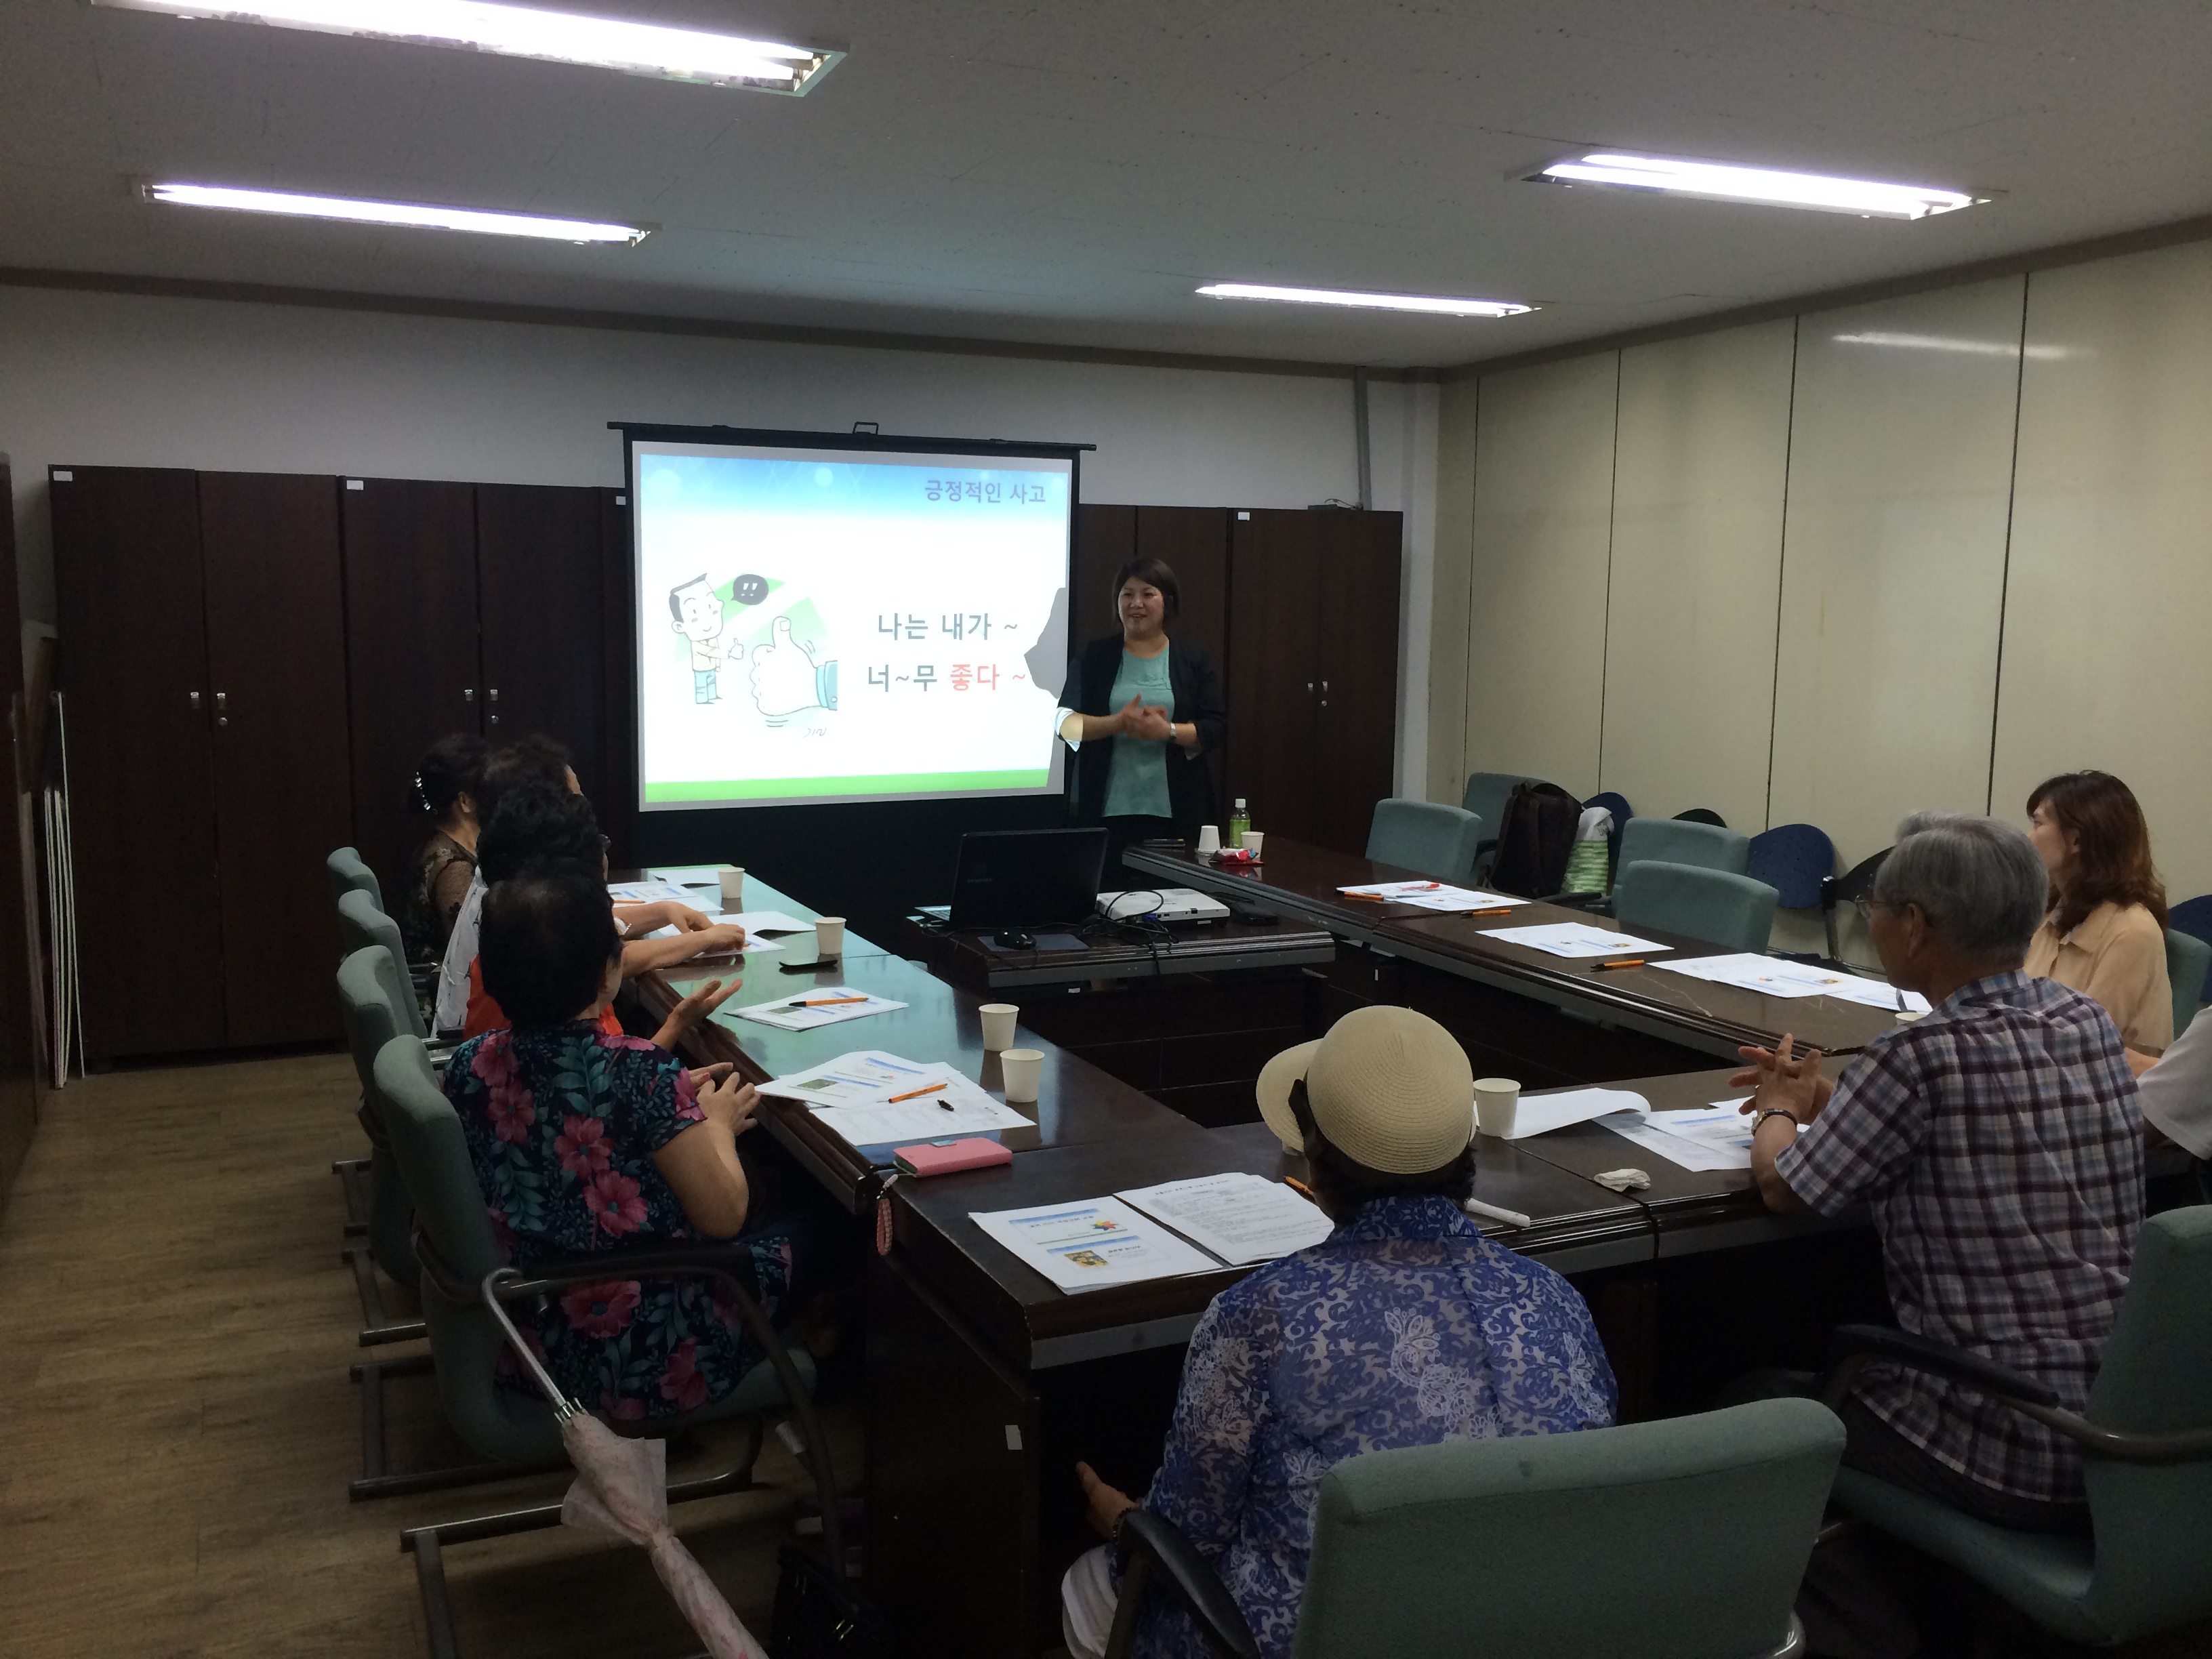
882 783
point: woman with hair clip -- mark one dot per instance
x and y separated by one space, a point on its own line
448 780
1405 1327
1140 712
2105 933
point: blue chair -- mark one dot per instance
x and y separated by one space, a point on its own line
2146 1440
2194 917
1673 840
2187 959
1540 1545
1732 911
1437 841
1616 803
1793 858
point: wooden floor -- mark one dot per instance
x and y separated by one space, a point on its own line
177 1427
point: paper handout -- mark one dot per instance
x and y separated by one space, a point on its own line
1536 1114
767 922
1433 896
1715 1137
1575 939
647 892
822 1004
871 1099
1092 1243
1240 1217
1775 977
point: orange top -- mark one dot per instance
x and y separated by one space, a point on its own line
485 1015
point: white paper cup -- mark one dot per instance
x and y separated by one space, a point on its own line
998 1025
1252 839
1497 1099
1209 838
733 886
829 936
1022 1070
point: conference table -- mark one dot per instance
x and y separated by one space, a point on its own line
985 1382
1538 1017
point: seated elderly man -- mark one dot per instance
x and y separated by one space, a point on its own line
1998 1141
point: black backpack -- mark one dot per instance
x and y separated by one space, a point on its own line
1535 836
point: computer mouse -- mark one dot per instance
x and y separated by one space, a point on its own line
1014 939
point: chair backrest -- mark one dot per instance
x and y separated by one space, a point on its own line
1732 911
1436 840
1485 797
2193 916
2153 1522
1675 840
369 1002
1792 859
2188 958
350 874
361 924
1702 815
1667 1540
449 1211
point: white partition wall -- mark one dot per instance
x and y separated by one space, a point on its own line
1541 534
1892 563
2107 613
1447 599
1697 566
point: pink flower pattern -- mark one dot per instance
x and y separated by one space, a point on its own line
562 1125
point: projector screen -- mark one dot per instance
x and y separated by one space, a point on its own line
826 619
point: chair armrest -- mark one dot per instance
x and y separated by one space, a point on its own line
1854 1348
1592 902
1156 1542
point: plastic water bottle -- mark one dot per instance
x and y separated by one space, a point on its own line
1239 822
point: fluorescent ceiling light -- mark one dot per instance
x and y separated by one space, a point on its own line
1951 342
1329 296
721 60
1718 181
394 213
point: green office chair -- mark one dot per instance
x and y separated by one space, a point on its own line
350 874
1679 840
2187 957
362 924
2145 1439
1437 841
370 1002
1734 912
461 1265
1668 1539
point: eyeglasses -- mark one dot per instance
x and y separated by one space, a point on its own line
1865 906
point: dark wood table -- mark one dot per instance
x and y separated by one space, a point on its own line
1115 952
1705 1019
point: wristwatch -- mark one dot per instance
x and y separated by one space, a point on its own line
1765 1112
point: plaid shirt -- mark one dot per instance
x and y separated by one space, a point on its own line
1999 1143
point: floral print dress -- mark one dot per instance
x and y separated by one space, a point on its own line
1404 1327
561 1123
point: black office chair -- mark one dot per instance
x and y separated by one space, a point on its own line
1702 815
1854 884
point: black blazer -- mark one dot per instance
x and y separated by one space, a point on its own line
1197 699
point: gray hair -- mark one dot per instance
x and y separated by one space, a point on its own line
1979 881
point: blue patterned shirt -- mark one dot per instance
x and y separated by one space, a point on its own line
1999 1142
1405 1327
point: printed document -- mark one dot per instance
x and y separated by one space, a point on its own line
1092 1243
871 1099
1536 1114
647 892
1433 896
1576 938
830 1004
1240 1217
1715 1137
1775 977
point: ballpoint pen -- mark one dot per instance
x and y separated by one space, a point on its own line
1502 911
916 1094
826 1002
1607 967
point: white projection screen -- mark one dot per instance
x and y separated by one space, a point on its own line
823 618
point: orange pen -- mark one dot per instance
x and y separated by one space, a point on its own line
1502 911
1607 967
1300 1188
827 1002
916 1094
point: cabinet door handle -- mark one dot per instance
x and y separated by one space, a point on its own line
221 701
493 694
1309 688
195 697
1324 688
469 695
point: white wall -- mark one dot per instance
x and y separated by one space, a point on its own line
127 380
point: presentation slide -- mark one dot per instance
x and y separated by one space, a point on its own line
832 624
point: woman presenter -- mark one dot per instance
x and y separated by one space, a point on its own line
1143 711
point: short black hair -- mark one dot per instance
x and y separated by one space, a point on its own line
1346 1187
676 603
539 823
532 760
450 768
1154 572
547 936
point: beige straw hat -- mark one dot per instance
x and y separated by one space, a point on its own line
1390 1088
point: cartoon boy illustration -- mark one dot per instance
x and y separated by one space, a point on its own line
697 610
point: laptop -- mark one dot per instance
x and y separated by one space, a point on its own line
1162 904
1017 880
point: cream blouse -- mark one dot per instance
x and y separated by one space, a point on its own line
2118 957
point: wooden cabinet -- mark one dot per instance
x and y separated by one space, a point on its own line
539 570
19 1062
202 670
1313 686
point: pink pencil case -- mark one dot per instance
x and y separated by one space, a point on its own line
928 1158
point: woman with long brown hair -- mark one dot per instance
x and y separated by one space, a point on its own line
2105 933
